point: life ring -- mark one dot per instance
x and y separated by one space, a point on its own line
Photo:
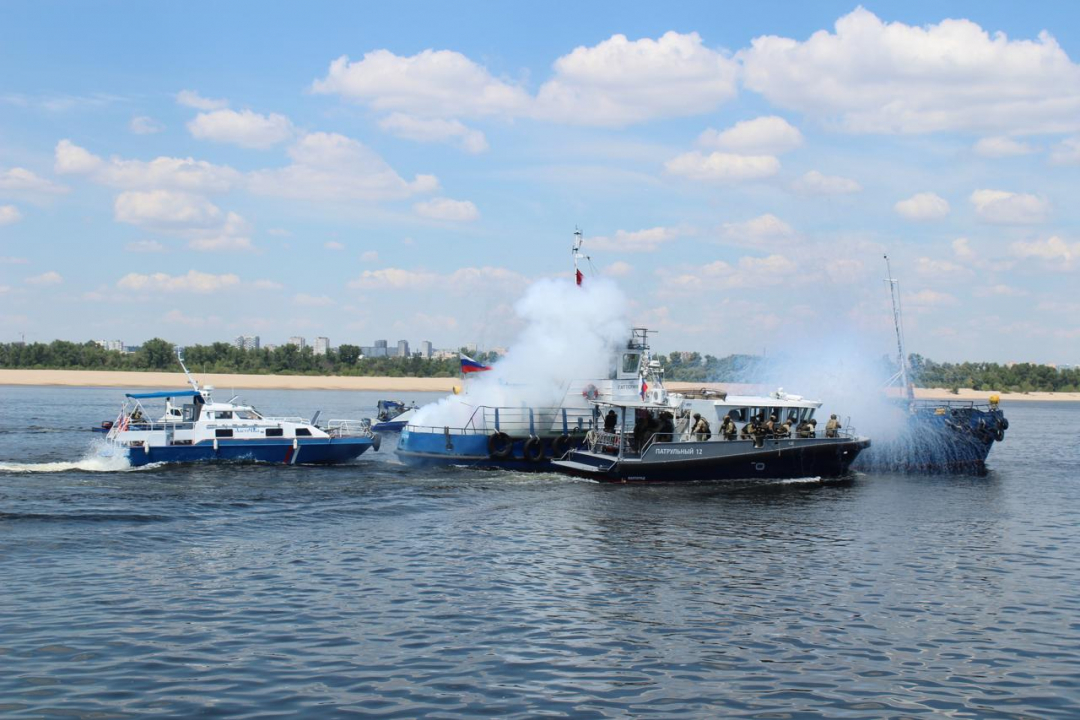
533 450
500 445
590 392
376 442
560 446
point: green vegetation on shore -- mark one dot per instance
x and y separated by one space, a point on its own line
158 355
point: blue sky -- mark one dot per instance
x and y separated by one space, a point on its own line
200 171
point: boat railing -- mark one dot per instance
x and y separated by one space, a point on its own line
348 428
290 419
518 421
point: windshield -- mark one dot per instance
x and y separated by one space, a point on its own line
247 415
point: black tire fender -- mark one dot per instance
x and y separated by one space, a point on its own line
500 445
560 446
533 451
376 442
1000 434
1004 423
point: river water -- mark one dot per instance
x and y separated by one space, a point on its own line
374 590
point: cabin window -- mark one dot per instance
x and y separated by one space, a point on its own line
247 415
630 362
737 414
303 432
224 414
274 432
222 433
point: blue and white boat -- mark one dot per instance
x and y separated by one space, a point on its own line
195 428
392 416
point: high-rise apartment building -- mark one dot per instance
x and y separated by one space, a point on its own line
322 345
403 348
425 349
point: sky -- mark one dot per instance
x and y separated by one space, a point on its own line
199 171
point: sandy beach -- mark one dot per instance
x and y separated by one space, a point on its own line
164 380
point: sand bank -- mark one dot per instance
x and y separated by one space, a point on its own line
166 380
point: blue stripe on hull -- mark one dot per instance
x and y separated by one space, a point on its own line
314 451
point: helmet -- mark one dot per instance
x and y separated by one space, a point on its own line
833 416
697 416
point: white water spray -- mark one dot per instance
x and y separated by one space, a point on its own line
101 457
570 332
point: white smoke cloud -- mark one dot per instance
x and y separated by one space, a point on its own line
570 333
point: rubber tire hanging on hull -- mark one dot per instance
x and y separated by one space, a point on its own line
533 450
376 442
560 446
500 445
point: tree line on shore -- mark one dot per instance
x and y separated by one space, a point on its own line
159 355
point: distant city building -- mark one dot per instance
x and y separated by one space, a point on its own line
246 342
322 345
111 345
380 344
403 348
425 349
446 354
297 341
470 348
373 351
270 347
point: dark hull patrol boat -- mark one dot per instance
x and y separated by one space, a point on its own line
946 437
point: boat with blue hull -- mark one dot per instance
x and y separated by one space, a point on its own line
935 437
392 416
498 437
195 428
940 437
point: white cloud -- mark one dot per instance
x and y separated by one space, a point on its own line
306 300
460 281
619 82
447 209
1066 152
48 278
719 166
940 268
193 282
279 232
761 230
1007 208
433 83
179 318
333 245
9 214
232 235
962 249
164 172
7 260
815 183
190 98
753 272
369 256
999 147
1000 290
770 135
618 269
244 128
872 76
930 298
614 83
1055 251
647 240
166 210
22 181
144 125
922 206
331 167
145 246
435 130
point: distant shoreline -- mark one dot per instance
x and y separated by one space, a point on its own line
165 380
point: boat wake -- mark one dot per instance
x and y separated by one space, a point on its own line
96 459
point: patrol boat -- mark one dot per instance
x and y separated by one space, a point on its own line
200 429
935 436
653 440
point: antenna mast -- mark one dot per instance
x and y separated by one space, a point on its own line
898 323
577 254
180 357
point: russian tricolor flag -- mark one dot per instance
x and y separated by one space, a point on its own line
468 365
